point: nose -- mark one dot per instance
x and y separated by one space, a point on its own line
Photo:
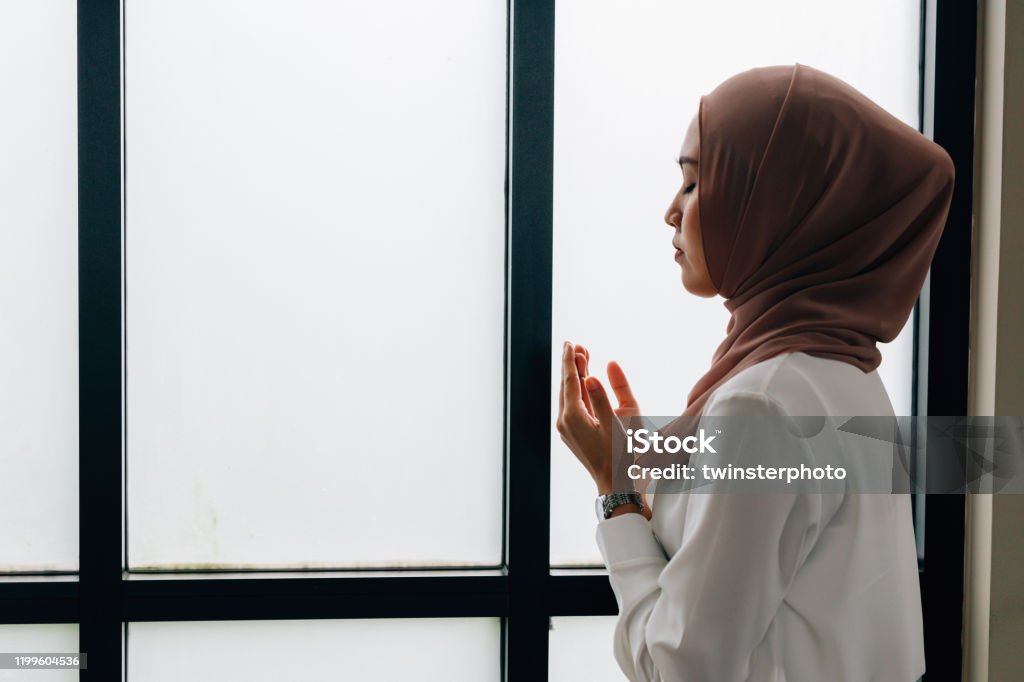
673 216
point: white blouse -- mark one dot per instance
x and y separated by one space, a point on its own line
779 587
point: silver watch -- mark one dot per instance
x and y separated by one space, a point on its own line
605 504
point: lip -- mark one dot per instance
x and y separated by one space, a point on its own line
679 252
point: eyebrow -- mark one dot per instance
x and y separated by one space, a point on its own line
686 159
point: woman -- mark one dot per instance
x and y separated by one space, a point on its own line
815 214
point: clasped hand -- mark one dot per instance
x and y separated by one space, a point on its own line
586 418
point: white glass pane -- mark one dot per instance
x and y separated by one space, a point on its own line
421 649
48 638
581 649
315 282
628 80
38 286
897 368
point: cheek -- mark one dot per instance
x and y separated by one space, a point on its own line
691 230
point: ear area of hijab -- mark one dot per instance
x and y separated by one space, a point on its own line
737 120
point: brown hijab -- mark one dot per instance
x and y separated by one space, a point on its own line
820 213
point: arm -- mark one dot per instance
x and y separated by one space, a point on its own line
700 614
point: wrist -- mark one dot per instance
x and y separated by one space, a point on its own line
619 502
624 509
605 487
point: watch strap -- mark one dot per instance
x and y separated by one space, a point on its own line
618 498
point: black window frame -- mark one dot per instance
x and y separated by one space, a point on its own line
526 592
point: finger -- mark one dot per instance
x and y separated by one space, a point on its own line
581 349
599 399
581 369
581 364
561 386
586 360
620 385
570 379
561 396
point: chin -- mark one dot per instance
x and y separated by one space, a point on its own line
701 289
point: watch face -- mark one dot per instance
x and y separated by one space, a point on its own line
599 507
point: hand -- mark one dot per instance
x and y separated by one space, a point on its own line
585 416
579 423
628 407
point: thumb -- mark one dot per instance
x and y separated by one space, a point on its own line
599 399
628 405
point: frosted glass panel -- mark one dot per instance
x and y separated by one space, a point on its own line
897 368
315 282
48 638
383 650
628 79
581 650
38 286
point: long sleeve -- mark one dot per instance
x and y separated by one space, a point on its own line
700 614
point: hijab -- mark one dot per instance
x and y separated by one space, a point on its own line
820 213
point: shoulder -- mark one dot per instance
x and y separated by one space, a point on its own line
762 388
797 383
742 403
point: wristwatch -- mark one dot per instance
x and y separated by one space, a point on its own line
605 504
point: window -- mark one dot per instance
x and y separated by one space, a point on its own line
40 638
39 295
428 649
314 220
581 650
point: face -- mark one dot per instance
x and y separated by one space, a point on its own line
683 217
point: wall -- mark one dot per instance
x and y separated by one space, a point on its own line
994 609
